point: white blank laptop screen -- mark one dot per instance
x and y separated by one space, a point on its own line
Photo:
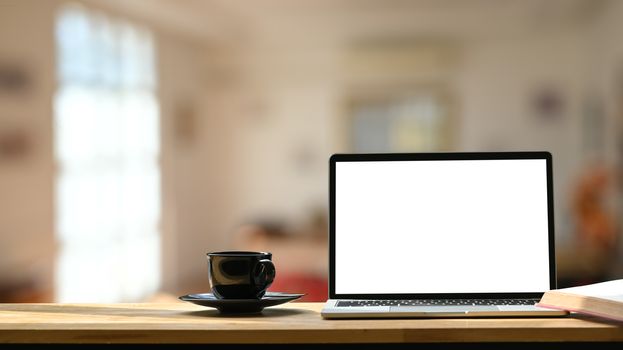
452 226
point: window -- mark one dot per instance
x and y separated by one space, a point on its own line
416 122
107 152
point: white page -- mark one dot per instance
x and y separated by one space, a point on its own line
612 290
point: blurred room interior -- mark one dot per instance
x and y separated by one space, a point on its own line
135 136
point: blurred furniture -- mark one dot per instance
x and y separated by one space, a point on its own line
593 253
300 257
579 265
23 291
298 323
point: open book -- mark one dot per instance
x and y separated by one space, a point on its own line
603 299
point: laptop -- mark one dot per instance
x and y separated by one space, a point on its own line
440 235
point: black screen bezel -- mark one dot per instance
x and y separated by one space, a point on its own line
440 156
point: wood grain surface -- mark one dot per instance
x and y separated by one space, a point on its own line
289 323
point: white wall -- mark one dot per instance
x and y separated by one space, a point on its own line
26 191
178 62
286 109
604 54
495 88
197 161
283 131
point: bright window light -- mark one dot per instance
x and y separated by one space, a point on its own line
107 152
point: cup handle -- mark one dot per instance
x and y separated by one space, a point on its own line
264 274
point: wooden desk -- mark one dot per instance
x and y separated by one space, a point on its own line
290 323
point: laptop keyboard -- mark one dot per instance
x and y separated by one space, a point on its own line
436 302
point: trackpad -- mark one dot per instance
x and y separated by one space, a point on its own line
444 309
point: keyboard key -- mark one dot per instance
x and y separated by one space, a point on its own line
436 302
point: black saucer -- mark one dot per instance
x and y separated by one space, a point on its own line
240 305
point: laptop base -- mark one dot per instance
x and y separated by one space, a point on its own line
330 311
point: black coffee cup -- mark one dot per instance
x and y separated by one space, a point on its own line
239 274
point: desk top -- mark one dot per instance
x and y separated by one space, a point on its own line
289 323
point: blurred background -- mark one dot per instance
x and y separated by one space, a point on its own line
135 136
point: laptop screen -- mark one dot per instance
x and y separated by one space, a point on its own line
441 223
